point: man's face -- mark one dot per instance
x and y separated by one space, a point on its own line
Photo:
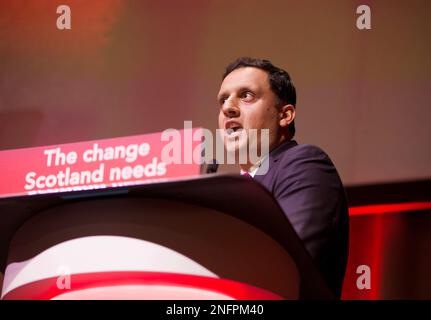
247 102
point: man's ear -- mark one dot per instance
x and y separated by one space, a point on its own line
287 115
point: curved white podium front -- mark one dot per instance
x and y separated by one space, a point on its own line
145 249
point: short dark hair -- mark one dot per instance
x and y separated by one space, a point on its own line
279 80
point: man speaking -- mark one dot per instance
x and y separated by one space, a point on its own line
255 94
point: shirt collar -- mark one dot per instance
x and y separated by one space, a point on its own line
271 157
253 169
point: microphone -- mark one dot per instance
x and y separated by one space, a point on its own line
212 167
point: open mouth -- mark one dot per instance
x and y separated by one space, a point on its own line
233 127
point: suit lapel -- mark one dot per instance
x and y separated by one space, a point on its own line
272 162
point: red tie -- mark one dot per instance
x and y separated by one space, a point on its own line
246 174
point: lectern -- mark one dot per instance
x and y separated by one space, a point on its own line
216 236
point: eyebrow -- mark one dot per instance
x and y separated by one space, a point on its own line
220 96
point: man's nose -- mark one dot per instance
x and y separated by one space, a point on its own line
230 108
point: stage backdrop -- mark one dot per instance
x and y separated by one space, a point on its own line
134 67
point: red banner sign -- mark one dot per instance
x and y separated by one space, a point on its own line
101 164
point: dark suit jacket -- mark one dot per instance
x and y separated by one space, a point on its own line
308 188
